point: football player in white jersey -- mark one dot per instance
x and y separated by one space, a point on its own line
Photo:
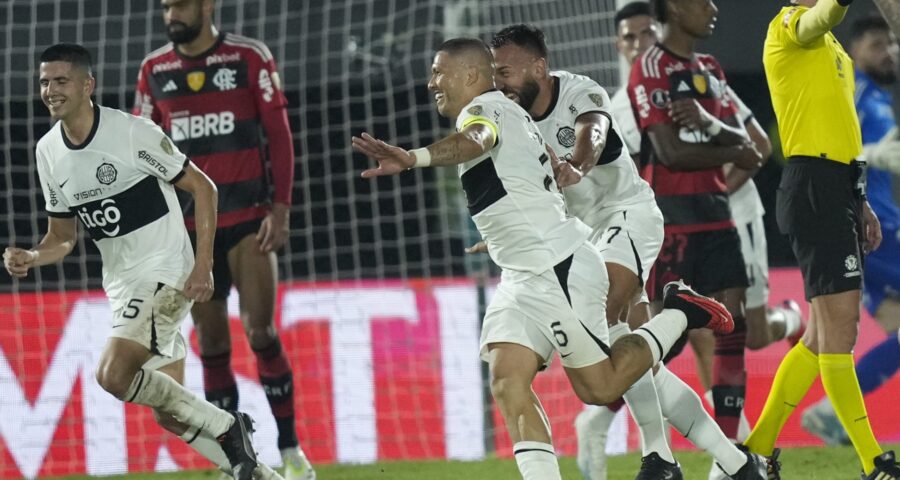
553 285
115 173
573 113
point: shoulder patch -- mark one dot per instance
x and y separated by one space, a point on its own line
786 20
475 110
596 98
166 145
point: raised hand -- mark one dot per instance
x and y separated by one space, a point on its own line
391 159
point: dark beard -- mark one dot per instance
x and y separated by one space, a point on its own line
528 94
185 34
883 78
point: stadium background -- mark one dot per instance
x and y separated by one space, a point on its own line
380 306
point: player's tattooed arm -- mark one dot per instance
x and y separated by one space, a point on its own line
62 234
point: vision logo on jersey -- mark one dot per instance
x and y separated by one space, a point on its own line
199 126
225 79
566 137
106 174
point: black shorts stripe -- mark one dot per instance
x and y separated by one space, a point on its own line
637 262
482 185
603 346
154 347
562 274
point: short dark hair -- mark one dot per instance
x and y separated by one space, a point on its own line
660 10
868 24
68 52
633 9
465 44
528 37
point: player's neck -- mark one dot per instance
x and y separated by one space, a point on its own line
78 127
678 41
544 97
202 43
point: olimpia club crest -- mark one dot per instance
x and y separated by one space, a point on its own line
566 137
106 174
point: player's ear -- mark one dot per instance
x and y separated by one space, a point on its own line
90 84
539 67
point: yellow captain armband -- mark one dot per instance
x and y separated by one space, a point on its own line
482 121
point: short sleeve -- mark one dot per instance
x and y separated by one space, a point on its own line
787 26
54 201
482 113
154 152
593 98
649 96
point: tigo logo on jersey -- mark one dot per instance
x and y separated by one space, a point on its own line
225 79
199 126
106 174
108 215
196 80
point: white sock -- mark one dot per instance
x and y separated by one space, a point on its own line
662 331
206 445
684 410
592 430
643 402
536 461
789 317
160 391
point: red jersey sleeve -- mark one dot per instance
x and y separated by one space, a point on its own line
648 92
144 104
271 104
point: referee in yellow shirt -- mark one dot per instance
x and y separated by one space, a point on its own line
822 208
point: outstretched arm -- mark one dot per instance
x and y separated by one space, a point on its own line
820 19
57 243
468 144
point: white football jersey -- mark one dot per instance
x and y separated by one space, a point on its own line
624 115
118 184
511 193
614 181
745 202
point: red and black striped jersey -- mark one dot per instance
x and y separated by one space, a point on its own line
691 201
220 108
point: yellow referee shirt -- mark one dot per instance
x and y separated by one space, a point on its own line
812 91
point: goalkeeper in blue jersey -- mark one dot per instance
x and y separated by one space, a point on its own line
874 52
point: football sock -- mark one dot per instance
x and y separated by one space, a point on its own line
795 375
277 380
662 331
536 461
787 316
879 364
644 405
839 380
729 378
684 410
160 391
207 446
219 385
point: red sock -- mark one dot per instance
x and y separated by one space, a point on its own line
278 381
729 378
219 384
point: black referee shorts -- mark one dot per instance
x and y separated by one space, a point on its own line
819 211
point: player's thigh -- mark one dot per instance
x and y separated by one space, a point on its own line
837 319
255 275
513 368
211 322
631 239
151 315
755 253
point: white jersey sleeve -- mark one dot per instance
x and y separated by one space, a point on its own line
155 153
745 202
485 113
55 203
624 115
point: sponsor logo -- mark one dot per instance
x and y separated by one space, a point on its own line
596 98
166 145
573 110
106 217
700 83
167 66
225 79
475 110
199 126
170 86
683 87
196 80
659 98
52 194
266 85
89 194
851 263
63 184
223 58
106 174
143 155
566 137
640 96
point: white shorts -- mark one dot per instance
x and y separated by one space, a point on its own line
754 250
631 237
562 309
152 317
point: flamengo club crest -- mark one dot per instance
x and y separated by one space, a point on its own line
195 80
106 174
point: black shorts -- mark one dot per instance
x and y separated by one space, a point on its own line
707 261
226 239
819 209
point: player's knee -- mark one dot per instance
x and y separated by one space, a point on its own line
261 338
599 395
213 342
757 339
507 390
115 378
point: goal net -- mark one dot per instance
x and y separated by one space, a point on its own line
379 307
